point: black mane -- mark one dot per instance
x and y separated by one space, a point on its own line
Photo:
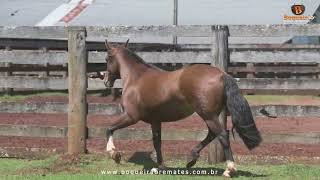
134 56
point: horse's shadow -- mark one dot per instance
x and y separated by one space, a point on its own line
144 158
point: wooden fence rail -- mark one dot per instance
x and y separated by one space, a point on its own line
58 32
257 85
60 57
115 109
278 69
98 45
54 57
297 56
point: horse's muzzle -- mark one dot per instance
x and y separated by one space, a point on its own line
108 84
108 80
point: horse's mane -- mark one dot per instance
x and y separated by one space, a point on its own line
138 59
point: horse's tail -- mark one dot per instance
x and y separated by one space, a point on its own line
241 115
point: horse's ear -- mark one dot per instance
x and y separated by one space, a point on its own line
108 46
126 45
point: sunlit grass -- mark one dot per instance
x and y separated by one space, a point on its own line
23 96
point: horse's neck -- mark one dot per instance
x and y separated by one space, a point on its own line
131 71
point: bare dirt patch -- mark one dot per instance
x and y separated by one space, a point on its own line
98 145
194 122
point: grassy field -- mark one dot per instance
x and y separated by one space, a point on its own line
20 96
100 167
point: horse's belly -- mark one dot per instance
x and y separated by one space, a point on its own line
169 112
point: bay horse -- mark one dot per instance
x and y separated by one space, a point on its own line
153 95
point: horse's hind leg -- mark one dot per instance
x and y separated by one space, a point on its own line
123 121
223 136
225 142
195 152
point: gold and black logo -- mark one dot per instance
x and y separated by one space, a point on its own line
298 9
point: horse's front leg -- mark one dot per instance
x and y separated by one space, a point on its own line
156 137
124 121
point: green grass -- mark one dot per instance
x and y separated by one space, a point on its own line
91 166
23 96
20 96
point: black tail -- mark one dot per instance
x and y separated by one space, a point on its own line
241 114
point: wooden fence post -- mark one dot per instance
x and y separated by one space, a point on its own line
175 20
8 91
77 69
220 54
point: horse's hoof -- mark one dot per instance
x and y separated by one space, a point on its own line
226 174
116 156
233 170
191 163
154 171
162 167
231 167
229 172
192 160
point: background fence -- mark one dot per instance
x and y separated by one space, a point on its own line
37 58
40 52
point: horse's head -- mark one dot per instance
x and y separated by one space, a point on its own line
113 67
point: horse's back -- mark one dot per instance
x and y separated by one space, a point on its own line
156 87
200 77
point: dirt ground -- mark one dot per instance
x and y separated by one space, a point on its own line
35 145
194 122
266 125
